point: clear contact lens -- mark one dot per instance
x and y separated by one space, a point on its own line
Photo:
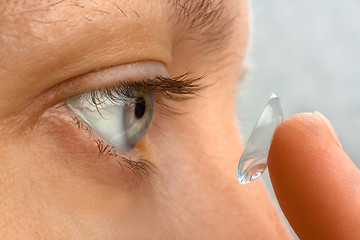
253 161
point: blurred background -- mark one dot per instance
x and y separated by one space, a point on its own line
308 52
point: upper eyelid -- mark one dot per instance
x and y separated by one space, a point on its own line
126 72
106 77
98 79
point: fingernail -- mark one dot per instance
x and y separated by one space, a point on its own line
330 127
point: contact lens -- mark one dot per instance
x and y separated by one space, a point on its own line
253 161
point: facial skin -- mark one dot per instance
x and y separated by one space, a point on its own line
53 182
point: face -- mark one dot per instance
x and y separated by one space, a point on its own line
117 121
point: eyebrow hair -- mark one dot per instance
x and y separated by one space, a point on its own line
204 21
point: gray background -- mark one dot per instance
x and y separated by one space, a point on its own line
308 52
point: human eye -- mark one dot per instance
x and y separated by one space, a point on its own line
121 114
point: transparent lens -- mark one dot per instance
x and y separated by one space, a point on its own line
253 161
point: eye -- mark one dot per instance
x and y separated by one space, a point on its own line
120 115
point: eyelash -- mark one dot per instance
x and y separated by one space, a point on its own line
177 88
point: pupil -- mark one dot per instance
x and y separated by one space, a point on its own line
140 108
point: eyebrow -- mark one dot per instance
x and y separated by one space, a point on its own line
205 21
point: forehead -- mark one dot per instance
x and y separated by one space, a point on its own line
187 10
29 17
29 25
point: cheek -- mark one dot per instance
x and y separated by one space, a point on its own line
70 180
65 163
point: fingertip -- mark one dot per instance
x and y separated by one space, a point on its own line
302 134
310 173
296 136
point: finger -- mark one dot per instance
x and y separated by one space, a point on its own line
315 182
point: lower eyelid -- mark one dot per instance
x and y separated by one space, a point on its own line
79 145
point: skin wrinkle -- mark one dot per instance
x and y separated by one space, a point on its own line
45 22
